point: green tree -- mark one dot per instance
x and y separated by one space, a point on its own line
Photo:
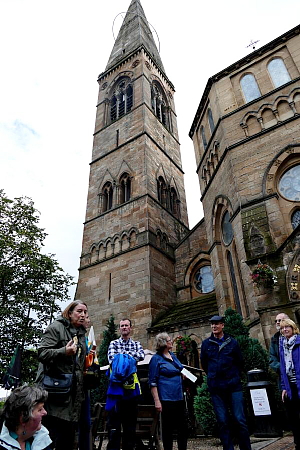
31 283
110 334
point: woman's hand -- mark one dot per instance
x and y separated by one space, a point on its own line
71 348
283 395
158 406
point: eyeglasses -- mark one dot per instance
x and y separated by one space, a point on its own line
278 320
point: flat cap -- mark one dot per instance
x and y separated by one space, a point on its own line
216 319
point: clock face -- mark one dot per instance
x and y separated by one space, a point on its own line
289 184
227 230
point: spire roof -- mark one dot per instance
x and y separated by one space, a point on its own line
134 33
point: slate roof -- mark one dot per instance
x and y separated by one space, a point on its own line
195 310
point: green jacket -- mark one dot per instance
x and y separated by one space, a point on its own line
52 355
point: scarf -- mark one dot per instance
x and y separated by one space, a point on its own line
288 345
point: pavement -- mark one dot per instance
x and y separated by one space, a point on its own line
208 443
280 443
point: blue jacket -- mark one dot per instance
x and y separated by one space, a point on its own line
166 375
296 360
222 364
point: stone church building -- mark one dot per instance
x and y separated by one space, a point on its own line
139 257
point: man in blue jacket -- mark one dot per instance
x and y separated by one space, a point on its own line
221 360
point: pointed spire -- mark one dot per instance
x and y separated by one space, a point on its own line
134 33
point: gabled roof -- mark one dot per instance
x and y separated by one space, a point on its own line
195 310
134 33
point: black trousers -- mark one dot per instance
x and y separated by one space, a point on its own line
62 432
174 420
124 415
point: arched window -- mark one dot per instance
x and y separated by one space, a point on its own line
159 104
234 283
121 100
107 196
227 231
278 72
125 188
204 280
211 121
162 191
295 219
174 202
202 131
249 87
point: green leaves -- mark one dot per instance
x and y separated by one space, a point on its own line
31 283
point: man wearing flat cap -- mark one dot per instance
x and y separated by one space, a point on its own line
222 362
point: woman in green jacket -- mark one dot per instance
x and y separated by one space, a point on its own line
62 351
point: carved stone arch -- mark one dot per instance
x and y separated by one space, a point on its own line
247 115
108 248
116 244
283 108
193 263
164 241
276 167
125 241
268 116
101 250
294 100
107 177
124 74
94 252
253 125
158 237
124 167
133 232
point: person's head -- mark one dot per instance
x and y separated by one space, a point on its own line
125 328
76 313
288 328
217 326
87 321
163 342
24 409
279 318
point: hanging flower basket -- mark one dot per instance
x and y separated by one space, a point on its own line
263 275
183 348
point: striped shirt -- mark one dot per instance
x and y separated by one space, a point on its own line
132 348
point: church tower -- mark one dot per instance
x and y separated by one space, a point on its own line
136 207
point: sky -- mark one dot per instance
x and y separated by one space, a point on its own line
51 55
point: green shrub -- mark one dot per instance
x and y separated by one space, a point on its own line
204 411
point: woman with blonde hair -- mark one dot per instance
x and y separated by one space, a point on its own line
165 382
289 350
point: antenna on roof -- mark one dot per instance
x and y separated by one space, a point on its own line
252 44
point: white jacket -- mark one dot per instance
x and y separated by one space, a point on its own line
41 440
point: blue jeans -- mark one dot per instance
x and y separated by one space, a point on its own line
223 402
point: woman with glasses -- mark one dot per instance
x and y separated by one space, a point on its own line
290 374
165 382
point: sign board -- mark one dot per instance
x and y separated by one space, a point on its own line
260 402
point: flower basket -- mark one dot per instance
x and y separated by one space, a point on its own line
183 348
263 275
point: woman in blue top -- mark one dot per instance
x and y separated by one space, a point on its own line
165 382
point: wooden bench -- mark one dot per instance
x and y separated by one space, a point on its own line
146 428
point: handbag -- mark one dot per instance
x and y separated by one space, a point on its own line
59 387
